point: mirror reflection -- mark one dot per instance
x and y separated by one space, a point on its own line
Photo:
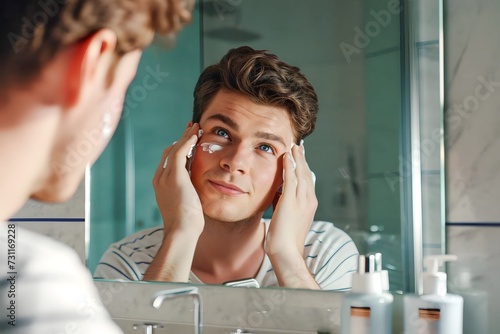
242 153
354 150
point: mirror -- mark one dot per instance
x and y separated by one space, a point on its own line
356 54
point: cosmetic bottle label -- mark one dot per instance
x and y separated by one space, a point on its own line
429 320
360 320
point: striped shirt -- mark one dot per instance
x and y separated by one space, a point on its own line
329 253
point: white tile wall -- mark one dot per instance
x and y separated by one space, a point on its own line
473 141
73 208
64 222
478 253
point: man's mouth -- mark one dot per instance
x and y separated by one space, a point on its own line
226 188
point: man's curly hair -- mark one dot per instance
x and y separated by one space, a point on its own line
263 78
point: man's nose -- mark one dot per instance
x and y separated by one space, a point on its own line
236 159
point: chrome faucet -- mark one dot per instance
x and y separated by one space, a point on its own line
148 327
159 296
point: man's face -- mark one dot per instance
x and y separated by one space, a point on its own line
237 167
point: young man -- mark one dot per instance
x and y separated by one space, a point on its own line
64 70
254 111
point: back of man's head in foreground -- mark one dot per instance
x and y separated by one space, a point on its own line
33 31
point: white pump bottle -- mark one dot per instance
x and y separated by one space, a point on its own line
367 308
435 311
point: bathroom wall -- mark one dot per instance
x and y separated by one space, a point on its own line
472 92
64 222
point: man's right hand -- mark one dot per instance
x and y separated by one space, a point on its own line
181 211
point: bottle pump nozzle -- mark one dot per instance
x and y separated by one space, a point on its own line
367 279
434 280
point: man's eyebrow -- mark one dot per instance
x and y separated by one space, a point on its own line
270 136
224 119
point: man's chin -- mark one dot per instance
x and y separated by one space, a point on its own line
228 216
55 193
51 198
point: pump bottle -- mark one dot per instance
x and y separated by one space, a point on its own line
367 308
435 311
475 303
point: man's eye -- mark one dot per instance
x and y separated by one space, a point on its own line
222 133
266 148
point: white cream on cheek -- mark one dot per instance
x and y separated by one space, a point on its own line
211 147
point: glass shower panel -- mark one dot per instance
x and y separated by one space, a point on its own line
429 55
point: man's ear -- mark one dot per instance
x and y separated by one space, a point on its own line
91 63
